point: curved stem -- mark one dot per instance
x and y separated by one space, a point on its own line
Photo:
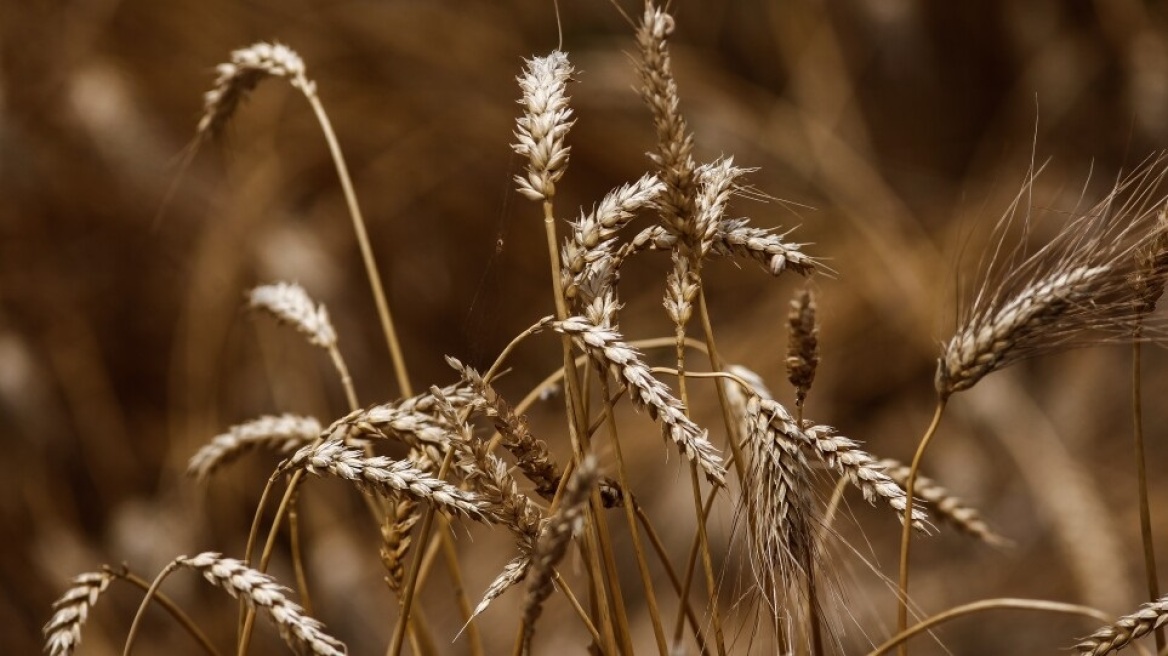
177 613
383 313
906 531
989 604
146 602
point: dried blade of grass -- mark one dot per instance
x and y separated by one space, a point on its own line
281 434
606 346
553 544
259 590
1126 629
945 506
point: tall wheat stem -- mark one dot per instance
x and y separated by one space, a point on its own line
695 484
173 565
1142 482
630 517
906 531
577 431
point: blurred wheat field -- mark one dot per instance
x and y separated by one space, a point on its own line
895 133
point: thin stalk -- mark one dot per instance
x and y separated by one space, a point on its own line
346 379
410 584
990 604
813 620
383 313
576 423
146 602
906 532
1142 483
695 485
451 557
562 586
298 559
177 613
663 556
630 517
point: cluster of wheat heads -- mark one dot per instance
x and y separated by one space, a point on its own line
471 456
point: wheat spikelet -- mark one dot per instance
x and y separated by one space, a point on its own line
681 289
736 238
531 454
607 347
303 633
553 543
674 156
513 572
588 254
248 66
991 342
945 506
63 631
281 434
289 303
781 542
802 344
1080 281
546 119
1126 629
839 453
384 475
1152 267
716 184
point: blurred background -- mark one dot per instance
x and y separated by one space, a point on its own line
896 132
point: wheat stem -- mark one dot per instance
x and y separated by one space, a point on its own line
1142 484
988 604
663 556
906 531
173 565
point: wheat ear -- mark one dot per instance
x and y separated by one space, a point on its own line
259 590
945 506
607 347
1126 629
63 631
281 434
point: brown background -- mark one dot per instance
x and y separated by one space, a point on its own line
897 132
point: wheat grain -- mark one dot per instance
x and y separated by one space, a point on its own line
289 303
249 66
281 434
674 156
839 453
607 347
546 120
1126 629
63 631
802 344
384 475
257 589
945 506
